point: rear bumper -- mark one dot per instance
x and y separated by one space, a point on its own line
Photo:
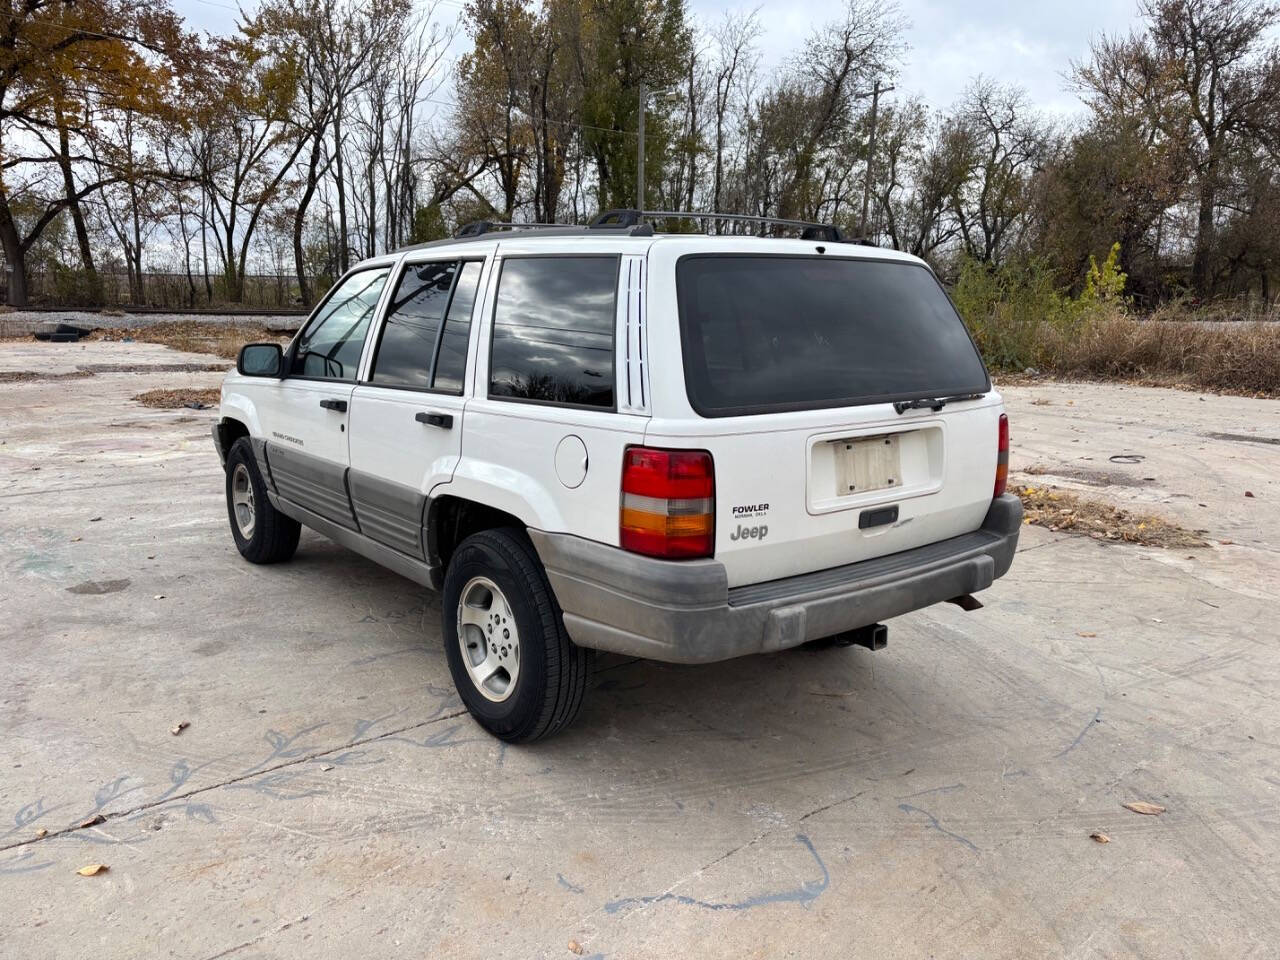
685 612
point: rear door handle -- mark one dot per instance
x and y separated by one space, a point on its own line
442 420
339 405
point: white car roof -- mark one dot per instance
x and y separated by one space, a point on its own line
614 240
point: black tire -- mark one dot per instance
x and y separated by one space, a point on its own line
551 680
274 536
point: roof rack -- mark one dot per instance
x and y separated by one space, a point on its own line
809 230
632 221
478 227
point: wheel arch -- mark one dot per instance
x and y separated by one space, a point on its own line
237 418
449 519
229 430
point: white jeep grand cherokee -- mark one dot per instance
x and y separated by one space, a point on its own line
673 446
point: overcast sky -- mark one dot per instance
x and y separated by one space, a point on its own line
1029 43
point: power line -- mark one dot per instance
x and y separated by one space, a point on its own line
560 123
122 38
224 6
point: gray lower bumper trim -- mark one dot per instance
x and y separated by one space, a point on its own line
683 612
393 560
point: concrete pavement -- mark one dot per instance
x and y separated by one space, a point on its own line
331 798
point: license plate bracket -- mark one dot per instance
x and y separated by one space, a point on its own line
866 464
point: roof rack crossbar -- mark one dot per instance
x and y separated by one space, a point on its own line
629 218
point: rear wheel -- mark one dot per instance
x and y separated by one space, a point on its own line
513 664
262 533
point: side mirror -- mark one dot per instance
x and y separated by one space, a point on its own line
261 360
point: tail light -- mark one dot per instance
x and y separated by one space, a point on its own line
668 503
1002 456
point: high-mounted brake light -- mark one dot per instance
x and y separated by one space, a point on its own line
1002 456
668 503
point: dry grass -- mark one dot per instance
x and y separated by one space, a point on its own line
1060 510
172 399
198 336
23 376
1237 358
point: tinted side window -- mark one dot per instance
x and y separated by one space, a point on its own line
451 364
553 330
330 346
413 325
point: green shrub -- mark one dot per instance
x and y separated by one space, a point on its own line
1105 284
1018 316
1020 320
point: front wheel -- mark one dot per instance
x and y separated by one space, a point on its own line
262 533
513 664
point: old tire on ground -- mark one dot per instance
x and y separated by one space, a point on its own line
513 664
262 533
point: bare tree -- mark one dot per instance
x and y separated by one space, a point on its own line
1008 139
736 59
1203 74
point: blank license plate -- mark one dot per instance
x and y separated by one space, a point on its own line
869 463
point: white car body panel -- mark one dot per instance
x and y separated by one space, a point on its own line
767 460
510 447
520 457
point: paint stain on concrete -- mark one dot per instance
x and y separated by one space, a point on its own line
936 825
804 894
95 587
571 887
211 648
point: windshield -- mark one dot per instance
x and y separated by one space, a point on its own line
769 333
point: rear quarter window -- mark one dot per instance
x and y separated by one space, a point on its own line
553 331
771 333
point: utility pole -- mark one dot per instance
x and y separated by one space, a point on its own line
644 96
871 156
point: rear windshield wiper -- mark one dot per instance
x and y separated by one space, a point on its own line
931 403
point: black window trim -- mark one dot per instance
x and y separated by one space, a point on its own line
291 352
613 330
720 413
435 350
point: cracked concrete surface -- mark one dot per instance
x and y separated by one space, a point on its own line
329 797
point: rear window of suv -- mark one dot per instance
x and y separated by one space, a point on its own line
763 334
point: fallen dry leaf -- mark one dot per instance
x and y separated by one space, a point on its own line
182 725
93 869
1061 510
1099 836
575 946
41 833
1141 806
175 399
1079 634
93 821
